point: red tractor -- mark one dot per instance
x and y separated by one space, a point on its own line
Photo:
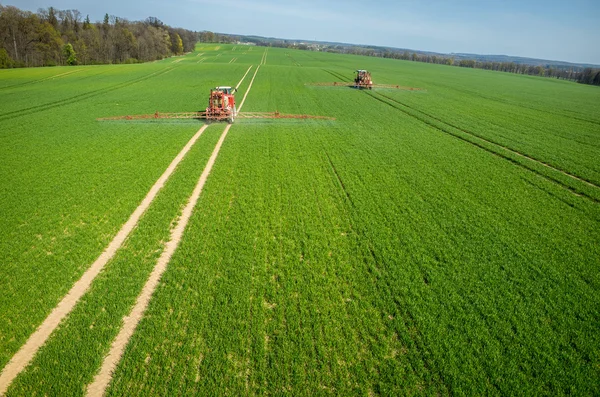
363 80
221 104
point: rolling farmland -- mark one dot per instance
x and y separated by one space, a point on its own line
441 241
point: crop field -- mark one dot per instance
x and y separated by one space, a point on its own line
442 241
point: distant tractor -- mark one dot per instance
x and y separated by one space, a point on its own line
221 105
363 80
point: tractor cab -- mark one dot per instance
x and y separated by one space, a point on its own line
226 90
363 79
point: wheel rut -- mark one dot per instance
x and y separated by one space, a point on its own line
339 179
77 98
498 150
56 76
478 136
36 340
102 380
130 322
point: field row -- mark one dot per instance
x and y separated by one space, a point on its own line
68 187
399 249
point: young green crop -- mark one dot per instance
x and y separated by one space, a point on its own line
397 250
68 182
96 321
373 254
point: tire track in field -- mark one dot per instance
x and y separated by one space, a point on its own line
337 75
76 98
248 90
263 61
418 340
87 95
509 103
82 96
41 80
26 353
339 179
477 136
590 183
130 322
411 328
499 148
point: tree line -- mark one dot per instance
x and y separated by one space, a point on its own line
211 37
578 74
64 37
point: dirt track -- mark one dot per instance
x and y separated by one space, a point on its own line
248 90
263 61
26 353
130 322
102 380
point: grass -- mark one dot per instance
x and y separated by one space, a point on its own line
70 182
95 322
388 252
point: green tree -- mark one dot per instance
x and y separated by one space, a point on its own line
5 59
52 19
105 25
177 44
69 53
49 44
207 37
81 51
540 71
87 24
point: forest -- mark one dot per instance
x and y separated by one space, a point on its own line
53 37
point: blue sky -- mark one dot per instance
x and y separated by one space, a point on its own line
567 30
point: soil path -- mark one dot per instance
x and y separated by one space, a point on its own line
248 90
130 322
263 61
246 74
26 353
100 383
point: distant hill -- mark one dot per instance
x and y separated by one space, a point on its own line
324 45
520 60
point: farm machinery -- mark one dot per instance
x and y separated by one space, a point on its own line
362 80
221 107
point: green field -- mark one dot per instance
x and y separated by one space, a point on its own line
434 242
